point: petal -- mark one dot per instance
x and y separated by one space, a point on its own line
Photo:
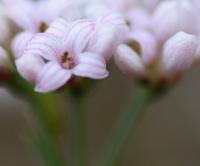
104 42
23 14
139 18
29 66
150 4
58 28
51 77
164 27
20 42
90 65
179 53
79 35
128 61
147 45
45 45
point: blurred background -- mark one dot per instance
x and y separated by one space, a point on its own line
168 135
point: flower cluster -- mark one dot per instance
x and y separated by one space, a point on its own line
154 41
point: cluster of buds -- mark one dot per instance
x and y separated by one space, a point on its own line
151 40
162 43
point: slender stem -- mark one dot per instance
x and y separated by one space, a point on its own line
78 133
46 110
124 127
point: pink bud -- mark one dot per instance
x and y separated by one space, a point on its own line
29 66
178 53
150 4
171 17
145 44
129 61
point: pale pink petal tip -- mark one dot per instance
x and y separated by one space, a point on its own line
129 61
51 77
91 66
29 66
147 45
179 53
20 42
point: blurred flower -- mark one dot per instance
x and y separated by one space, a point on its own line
19 43
59 53
162 47
178 53
35 16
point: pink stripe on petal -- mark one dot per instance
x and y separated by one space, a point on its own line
78 37
52 77
45 45
58 28
20 42
92 59
90 66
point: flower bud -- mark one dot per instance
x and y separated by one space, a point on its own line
19 43
29 66
178 53
145 44
171 17
129 61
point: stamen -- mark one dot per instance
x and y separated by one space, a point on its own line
67 61
43 27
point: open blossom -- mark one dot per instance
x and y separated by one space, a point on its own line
163 49
53 57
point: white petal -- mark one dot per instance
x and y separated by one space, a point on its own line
179 53
91 65
51 77
29 66
129 61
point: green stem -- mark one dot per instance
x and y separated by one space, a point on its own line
77 132
46 109
128 120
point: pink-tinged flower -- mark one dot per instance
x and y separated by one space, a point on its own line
171 17
150 4
129 61
138 18
145 44
178 53
35 16
110 32
63 49
19 43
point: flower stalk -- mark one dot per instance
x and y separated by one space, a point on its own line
126 125
46 110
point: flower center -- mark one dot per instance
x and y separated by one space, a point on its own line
67 61
43 27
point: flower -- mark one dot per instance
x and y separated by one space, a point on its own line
60 53
35 16
162 49
178 53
